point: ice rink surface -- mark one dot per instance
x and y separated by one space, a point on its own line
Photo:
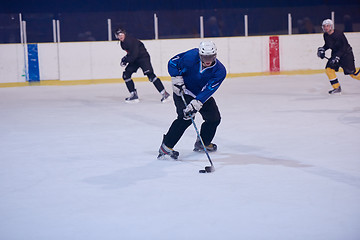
78 163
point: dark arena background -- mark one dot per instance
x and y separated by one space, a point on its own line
89 20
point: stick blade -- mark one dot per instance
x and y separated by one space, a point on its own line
209 169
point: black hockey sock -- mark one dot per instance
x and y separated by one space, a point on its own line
335 83
175 132
158 84
208 130
130 85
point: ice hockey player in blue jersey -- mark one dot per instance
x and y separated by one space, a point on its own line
196 74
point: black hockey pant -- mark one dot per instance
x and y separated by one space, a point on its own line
145 64
210 114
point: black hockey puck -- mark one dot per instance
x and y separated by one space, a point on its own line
202 171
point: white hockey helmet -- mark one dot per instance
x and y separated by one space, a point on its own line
207 51
327 22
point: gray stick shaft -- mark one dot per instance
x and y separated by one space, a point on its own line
197 132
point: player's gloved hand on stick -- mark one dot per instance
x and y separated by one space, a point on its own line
123 62
191 109
334 62
178 85
321 52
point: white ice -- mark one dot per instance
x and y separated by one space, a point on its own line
77 163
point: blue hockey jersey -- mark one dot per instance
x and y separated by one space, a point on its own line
200 82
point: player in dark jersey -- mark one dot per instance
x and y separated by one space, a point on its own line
196 74
341 55
137 57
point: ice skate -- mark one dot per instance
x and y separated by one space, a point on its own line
165 97
133 98
165 152
335 90
198 147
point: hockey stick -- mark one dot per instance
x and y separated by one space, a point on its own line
207 168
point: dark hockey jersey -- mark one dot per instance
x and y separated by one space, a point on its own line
135 49
338 44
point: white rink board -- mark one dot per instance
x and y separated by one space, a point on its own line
100 60
48 61
12 63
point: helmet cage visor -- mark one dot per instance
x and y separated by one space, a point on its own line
208 58
323 27
327 22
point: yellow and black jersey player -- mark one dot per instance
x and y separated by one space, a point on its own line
341 55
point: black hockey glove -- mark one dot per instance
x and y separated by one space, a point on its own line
321 52
334 62
191 109
178 85
123 62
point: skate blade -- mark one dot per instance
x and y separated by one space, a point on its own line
165 157
132 101
166 100
209 169
200 150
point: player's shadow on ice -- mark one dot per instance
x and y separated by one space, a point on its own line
224 159
238 159
128 176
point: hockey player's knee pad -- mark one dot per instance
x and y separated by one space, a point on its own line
214 122
330 73
218 122
126 76
357 77
356 74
